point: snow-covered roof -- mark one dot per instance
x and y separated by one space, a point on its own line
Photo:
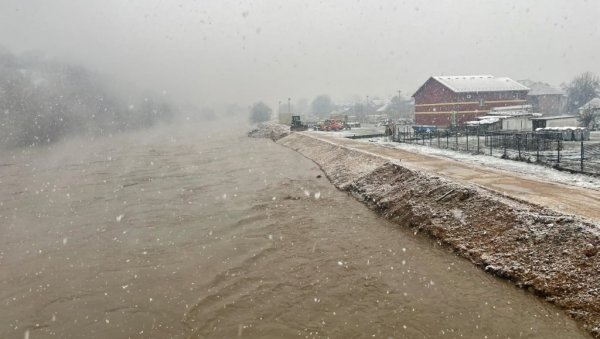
512 108
567 128
383 108
510 114
479 83
378 102
555 118
593 104
540 88
486 120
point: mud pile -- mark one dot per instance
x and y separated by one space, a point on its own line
270 130
552 255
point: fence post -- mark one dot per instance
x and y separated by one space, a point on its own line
504 141
438 135
467 140
558 153
456 139
477 140
582 152
537 142
491 142
519 145
447 139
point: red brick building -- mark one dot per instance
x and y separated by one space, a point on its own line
446 101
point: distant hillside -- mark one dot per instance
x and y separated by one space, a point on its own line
43 101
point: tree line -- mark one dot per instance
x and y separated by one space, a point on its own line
43 101
322 106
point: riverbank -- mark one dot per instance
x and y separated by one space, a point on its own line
552 254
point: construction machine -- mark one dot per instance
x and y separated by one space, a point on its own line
297 124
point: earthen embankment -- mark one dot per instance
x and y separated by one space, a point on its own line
550 253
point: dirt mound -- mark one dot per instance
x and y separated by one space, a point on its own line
270 130
553 255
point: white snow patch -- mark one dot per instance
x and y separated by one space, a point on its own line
542 173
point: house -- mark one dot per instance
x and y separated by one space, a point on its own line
559 121
593 105
446 101
545 98
509 118
515 118
386 108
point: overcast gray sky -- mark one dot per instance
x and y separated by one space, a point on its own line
218 51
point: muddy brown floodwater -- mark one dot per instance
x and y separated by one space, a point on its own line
181 233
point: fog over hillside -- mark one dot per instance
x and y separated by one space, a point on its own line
43 101
219 52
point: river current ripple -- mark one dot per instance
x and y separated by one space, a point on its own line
178 233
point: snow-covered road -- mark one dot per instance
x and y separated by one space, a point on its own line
561 191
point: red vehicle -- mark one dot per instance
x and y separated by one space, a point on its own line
331 125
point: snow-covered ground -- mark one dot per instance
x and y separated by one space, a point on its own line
540 172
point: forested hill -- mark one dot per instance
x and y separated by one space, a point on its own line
43 101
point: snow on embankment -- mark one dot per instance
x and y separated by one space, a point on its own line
270 130
553 255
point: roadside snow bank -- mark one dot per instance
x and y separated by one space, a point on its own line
554 256
270 130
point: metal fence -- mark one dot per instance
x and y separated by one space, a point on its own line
545 148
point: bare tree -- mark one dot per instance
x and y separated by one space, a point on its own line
582 89
588 116
322 105
260 112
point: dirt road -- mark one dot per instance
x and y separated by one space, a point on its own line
556 196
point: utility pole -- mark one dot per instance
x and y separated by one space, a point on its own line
399 106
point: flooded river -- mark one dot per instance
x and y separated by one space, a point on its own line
204 234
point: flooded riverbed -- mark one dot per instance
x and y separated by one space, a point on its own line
187 234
